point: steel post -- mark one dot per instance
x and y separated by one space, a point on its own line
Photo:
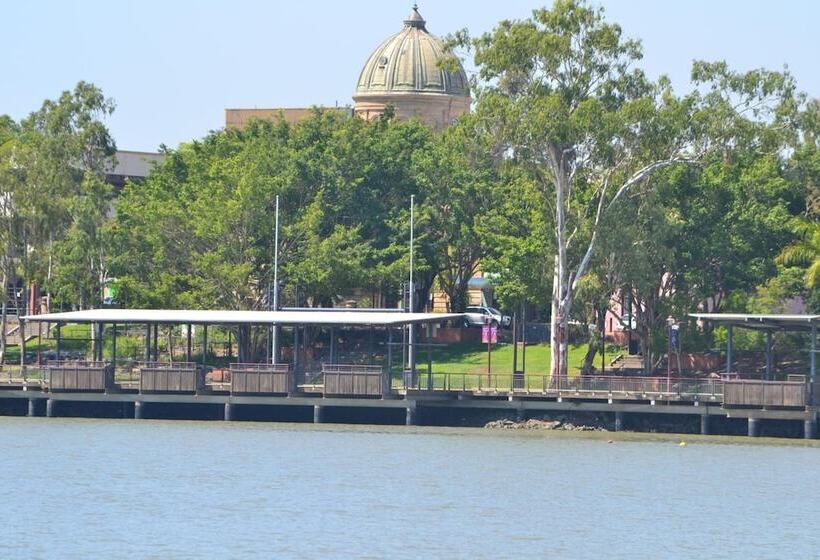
204 344
769 359
58 340
147 343
387 384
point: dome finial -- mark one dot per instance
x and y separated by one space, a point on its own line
415 19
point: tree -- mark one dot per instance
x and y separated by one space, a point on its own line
458 177
49 161
805 162
562 90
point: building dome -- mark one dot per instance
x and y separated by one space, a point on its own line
404 72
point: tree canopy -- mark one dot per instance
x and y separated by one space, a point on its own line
575 182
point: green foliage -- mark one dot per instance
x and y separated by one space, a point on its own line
199 232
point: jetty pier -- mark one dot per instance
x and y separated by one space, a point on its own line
385 387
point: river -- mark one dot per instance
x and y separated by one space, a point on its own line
177 489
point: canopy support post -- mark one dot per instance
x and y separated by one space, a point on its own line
204 344
729 333
100 330
188 344
769 358
58 337
147 343
156 342
114 347
388 370
295 350
333 345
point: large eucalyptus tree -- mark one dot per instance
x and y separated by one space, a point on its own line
563 89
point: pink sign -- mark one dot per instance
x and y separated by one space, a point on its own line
485 334
494 334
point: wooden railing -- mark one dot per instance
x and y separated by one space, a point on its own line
621 387
178 377
79 376
352 379
260 378
758 393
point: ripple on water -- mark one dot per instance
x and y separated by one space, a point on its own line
150 489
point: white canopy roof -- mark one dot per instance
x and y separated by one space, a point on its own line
350 317
761 321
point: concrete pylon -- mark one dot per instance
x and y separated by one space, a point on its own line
754 427
809 428
704 424
619 421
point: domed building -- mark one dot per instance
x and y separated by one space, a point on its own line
404 72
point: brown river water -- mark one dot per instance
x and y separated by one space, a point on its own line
176 489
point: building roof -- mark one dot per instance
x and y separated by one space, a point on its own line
347 317
135 164
762 321
408 62
239 118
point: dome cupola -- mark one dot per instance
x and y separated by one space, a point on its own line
404 71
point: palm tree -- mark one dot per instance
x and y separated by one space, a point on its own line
805 252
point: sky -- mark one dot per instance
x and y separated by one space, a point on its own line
173 67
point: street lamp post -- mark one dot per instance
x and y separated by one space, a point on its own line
670 324
275 332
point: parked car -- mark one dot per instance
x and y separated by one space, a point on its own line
478 316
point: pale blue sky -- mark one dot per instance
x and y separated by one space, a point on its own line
174 66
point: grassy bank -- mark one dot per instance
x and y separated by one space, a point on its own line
472 358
